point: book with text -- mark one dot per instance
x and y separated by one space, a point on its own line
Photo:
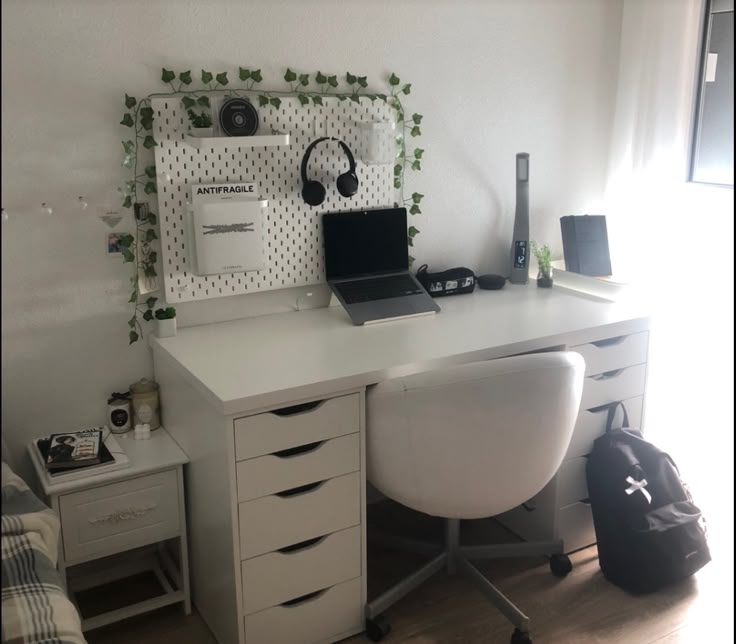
74 449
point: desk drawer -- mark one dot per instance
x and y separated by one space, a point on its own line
612 386
325 617
281 576
575 526
119 516
614 353
288 469
282 429
572 485
591 424
276 521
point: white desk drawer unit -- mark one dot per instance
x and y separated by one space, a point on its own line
615 371
299 491
120 516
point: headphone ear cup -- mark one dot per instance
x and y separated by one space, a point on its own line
347 184
313 193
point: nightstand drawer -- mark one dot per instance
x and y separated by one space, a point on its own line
263 475
290 517
591 424
326 616
575 526
609 387
120 516
613 353
282 576
282 429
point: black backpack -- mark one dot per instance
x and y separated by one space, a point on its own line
649 532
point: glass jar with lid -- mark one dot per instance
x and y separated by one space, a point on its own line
145 403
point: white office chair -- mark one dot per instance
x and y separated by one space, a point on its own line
468 442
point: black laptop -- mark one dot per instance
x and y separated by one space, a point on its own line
367 264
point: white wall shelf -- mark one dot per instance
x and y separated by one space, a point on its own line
225 142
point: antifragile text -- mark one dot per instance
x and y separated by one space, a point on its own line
218 190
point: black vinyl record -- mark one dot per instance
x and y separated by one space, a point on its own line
238 117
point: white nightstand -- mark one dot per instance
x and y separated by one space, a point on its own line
131 517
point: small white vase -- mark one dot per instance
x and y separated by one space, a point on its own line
202 132
166 328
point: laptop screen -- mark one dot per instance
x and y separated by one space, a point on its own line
365 242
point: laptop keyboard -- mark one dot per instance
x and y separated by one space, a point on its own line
378 288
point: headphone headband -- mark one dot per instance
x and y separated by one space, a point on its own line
312 145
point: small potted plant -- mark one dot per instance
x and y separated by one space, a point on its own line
544 264
201 123
166 322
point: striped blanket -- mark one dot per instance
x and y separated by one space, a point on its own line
35 609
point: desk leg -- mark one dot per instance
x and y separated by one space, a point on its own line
183 546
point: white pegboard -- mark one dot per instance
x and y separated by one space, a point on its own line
293 242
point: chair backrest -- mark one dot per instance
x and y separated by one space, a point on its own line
473 440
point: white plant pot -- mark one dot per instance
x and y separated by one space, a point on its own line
202 132
166 328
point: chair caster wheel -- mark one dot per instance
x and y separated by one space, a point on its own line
377 628
520 638
560 565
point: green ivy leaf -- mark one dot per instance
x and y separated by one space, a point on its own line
150 187
303 100
129 257
416 197
332 81
126 240
383 97
151 302
188 102
152 257
149 271
150 171
413 231
128 147
397 183
127 202
416 165
127 121
167 75
151 235
243 73
394 80
262 100
417 118
186 77
204 101
127 161
397 169
320 78
350 78
133 297
406 89
222 78
414 210
304 79
355 98
148 316
276 102
256 76
146 112
149 142
289 76
415 131
341 98
130 102
130 186
147 123
418 153
373 97
317 100
131 322
363 81
133 337
206 77
410 241
152 218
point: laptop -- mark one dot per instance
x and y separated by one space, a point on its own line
367 264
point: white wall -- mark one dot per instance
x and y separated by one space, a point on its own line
491 78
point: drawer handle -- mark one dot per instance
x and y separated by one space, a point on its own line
296 451
609 342
305 598
303 545
302 489
298 409
607 375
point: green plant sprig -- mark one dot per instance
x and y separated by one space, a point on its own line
543 254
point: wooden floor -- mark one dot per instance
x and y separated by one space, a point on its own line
583 608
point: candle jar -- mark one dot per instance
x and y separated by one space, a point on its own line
145 403
118 413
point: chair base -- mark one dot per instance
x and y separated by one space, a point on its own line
456 559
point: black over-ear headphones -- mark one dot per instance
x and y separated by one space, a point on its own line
314 192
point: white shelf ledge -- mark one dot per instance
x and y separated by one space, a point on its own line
222 142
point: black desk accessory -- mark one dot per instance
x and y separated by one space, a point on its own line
450 282
491 282
313 192
238 117
585 245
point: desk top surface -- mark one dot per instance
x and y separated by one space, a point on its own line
247 364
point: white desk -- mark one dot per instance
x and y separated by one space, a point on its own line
220 381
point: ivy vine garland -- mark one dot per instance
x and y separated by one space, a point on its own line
138 249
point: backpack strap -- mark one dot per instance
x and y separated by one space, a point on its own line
613 407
